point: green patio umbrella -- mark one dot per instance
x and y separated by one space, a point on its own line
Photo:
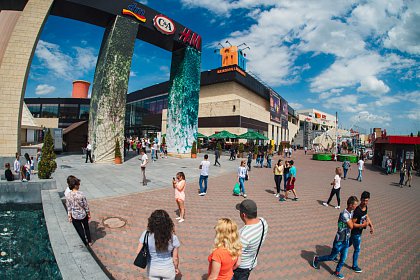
223 134
252 135
199 135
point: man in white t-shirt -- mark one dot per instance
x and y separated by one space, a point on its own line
360 165
144 160
252 236
204 175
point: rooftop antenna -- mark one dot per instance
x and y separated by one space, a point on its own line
246 48
219 44
241 44
227 42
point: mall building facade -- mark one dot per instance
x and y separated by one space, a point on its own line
230 99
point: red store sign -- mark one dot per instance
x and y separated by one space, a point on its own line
190 38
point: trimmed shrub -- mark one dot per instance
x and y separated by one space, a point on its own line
47 165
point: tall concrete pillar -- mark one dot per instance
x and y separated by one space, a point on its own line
14 69
184 89
107 104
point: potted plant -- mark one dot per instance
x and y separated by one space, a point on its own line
117 159
255 152
241 150
47 164
194 150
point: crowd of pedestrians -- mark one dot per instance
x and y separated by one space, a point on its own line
235 251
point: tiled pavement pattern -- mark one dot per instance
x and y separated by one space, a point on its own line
297 230
106 180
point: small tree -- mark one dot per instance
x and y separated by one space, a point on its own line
163 141
194 148
219 146
47 165
241 148
198 144
255 149
117 149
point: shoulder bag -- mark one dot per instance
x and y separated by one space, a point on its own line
144 255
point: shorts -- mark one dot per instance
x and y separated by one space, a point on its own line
290 184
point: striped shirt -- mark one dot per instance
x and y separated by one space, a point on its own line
250 239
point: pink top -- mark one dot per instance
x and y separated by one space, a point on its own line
180 194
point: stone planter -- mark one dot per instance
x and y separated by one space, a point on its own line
117 160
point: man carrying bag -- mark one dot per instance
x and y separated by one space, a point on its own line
251 245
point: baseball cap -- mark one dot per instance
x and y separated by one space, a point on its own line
247 206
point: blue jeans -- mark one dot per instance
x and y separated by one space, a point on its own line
241 184
200 182
152 154
339 247
261 162
286 177
268 163
359 177
355 240
345 172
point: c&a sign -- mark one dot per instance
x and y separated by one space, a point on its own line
190 38
164 24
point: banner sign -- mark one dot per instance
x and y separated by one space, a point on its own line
284 113
275 107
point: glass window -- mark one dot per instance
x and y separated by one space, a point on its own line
69 111
84 112
35 110
49 111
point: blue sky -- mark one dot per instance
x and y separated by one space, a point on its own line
360 58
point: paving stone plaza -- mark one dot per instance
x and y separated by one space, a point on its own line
297 229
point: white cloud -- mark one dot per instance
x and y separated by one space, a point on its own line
85 59
385 101
68 66
366 117
133 74
372 85
296 105
346 103
405 35
44 89
410 97
414 115
53 59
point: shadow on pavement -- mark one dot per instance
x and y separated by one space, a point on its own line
97 230
270 191
320 202
321 250
204 276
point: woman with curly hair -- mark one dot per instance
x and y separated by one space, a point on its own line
227 250
163 247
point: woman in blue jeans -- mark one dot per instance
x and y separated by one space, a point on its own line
286 172
242 173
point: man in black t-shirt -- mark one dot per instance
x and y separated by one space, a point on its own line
359 216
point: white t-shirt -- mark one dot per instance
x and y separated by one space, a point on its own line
242 171
155 147
205 165
337 181
360 163
144 159
67 191
89 147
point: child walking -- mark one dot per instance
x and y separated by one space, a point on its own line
179 185
336 183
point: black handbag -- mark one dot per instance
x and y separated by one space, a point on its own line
144 255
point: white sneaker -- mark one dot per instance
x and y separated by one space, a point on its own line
24 180
201 194
204 193
178 218
277 195
337 207
181 220
244 195
325 204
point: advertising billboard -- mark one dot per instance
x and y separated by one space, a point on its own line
275 107
284 113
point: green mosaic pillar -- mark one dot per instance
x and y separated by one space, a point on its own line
184 89
107 104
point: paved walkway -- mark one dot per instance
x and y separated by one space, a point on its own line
297 230
109 180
